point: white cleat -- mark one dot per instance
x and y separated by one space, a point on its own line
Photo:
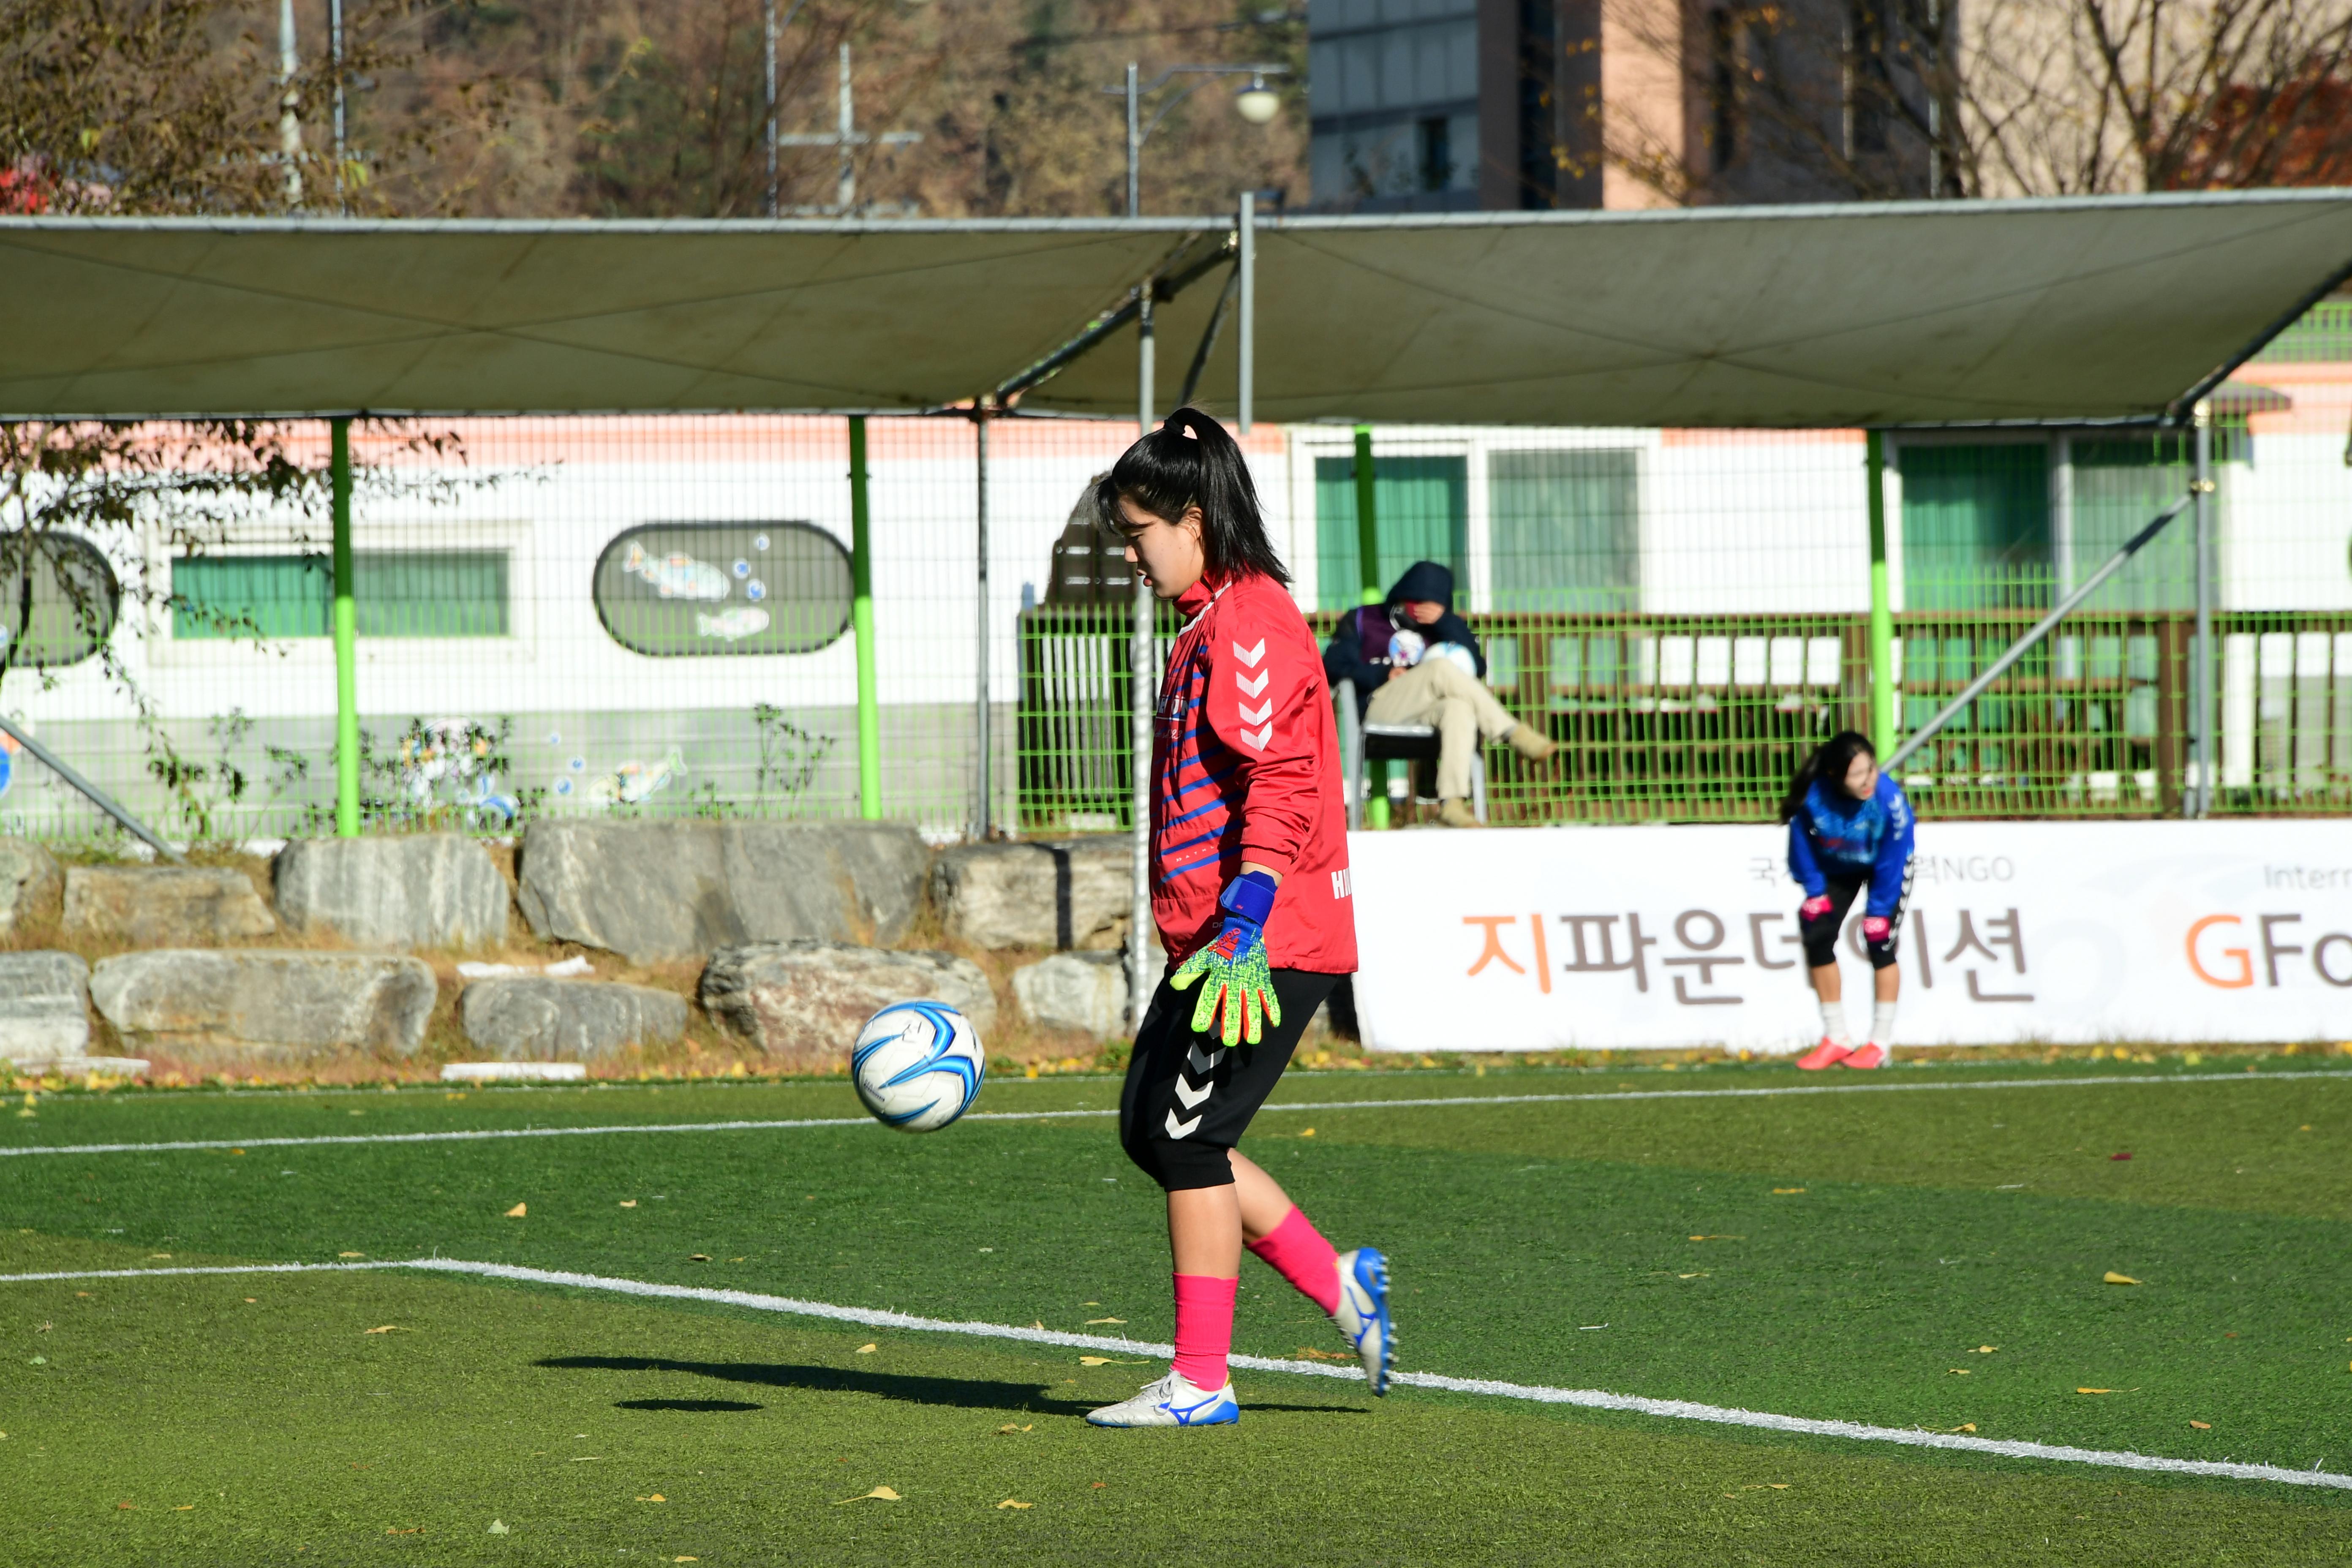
1363 1314
1171 1401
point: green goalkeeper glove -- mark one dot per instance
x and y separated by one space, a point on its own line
1236 963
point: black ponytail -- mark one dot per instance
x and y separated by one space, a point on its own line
1830 761
1190 462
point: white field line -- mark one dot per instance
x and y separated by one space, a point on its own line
1588 1398
480 1134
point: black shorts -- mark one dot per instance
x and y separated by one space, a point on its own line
1189 1098
1821 934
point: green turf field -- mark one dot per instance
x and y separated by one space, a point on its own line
254 1417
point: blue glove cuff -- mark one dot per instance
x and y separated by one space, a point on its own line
1250 896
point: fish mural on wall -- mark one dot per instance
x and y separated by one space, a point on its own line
634 781
676 576
727 590
733 625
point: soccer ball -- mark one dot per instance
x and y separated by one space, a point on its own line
918 1066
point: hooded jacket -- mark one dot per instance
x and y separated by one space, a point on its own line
1359 649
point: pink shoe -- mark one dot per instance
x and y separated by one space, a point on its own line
1872 1055
1828 1054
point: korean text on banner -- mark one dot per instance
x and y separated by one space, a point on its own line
1550 939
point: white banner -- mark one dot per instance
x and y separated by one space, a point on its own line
1559 938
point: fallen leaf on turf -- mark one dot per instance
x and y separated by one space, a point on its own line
628 1203
736 1259
252 1301
390 1329
497 1527
152 1256
656 1497
2125 1156
1098 1486
867 1350
1718 1239
1963 1426
189 1507
1008 1503
1985 1350
1784 1192
411 1530
1038 1323
121 1506
1082 1303
1700 1274
1311 1354
1105 1361
519 1211
2094 1391
2202 1426
1778 1486
37 1361
338 1254
885 1493
686 1559
698 1257
1958 1371
1009 1426
2115 1278
1092 1321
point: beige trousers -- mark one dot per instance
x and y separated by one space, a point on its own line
1441 692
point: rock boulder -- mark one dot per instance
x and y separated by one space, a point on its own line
30 884
803 1003
660 890
535 1019
428 889
1082 991
163 906
44 1008
262 1004
1067 895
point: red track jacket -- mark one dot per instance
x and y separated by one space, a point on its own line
1246 763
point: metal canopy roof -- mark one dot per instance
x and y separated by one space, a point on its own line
1862 314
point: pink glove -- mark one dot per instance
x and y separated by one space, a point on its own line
1814 909
1874 928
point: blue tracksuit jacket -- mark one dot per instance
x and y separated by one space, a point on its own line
1835 834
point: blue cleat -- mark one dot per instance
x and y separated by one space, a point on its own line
1363 1314
1171 1401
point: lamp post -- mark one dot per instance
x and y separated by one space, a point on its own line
1256 102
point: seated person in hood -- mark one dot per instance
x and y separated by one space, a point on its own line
1414 661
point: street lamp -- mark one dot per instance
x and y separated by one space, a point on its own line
1257 103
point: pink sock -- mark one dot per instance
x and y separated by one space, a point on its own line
1204 1327
1297 1250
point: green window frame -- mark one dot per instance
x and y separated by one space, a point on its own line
420 593
1975 527
1423 506
1564 529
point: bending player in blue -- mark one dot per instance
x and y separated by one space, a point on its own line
1849 824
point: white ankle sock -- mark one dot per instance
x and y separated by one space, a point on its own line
1834 1022
1882 1023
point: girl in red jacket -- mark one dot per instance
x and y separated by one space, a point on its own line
1249 889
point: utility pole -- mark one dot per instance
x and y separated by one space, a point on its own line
847 137
335 55
290 122
770 9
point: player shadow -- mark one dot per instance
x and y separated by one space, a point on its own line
964 1393
711 1407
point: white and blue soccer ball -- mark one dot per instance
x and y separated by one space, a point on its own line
918 1066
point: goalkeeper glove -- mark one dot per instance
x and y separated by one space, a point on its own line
1235 964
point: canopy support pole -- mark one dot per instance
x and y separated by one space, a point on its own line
1882 602
980 820
1245 264
1143 623
346 631
1368 576
861 616
2042 628
2201 685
